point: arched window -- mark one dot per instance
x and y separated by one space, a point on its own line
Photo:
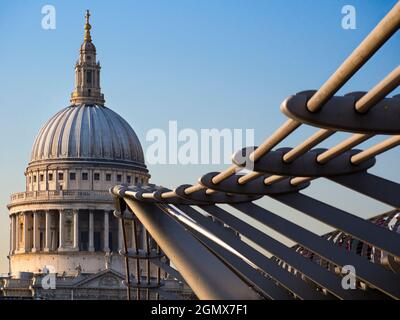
89 76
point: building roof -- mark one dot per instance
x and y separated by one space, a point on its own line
87 132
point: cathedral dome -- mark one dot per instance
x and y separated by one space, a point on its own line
88 132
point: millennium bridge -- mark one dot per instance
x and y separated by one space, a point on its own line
207 244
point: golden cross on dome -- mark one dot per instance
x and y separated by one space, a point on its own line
87 16
87 27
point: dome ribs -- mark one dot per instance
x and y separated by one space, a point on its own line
85 133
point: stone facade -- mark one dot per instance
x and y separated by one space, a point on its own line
104 285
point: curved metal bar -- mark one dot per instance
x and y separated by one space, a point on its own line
300 180
252 275
141 195
308 268
272 179
193 188
357 227
225 174
308 144
305 165
341 147
263 284
339 113
254 187
373 274
287 128
372 186
176 200
294 284
219 197
378 92
376 149
157 197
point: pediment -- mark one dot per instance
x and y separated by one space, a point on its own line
104 279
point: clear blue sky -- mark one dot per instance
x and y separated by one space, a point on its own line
206 64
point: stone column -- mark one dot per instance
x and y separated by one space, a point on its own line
17 233
61 230
47 231
26 233
91 231
120 236
13 234
35 231
106 247
76 229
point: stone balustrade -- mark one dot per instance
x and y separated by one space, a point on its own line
30 196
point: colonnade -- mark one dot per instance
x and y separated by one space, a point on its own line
68 230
